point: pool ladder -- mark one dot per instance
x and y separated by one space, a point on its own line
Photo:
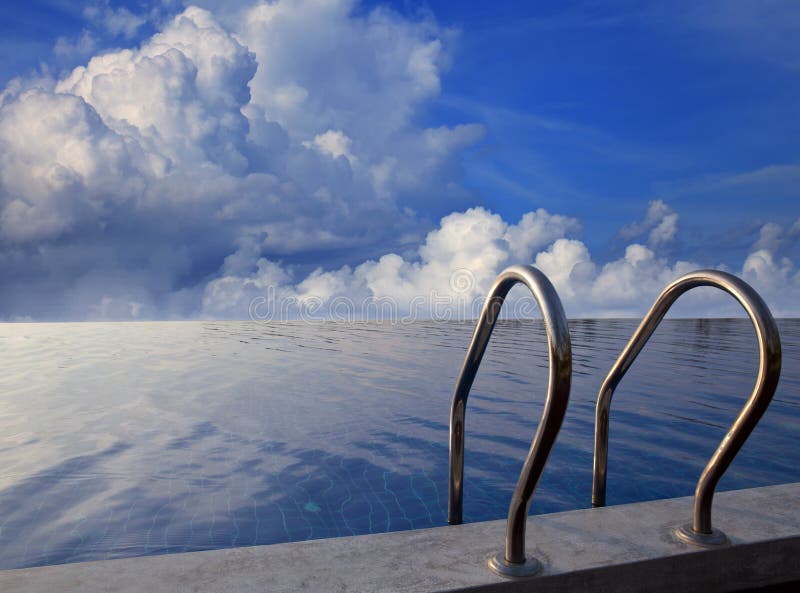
699 531
512 562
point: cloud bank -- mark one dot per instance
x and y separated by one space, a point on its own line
284 149
454 267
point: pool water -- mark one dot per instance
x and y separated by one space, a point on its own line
126 439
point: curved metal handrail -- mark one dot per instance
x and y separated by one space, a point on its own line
699 531
513 562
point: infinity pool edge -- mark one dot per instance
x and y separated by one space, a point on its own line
623 548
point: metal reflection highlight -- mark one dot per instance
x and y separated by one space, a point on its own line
512 563
700 531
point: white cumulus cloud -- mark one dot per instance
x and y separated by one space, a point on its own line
60 167
250 154
452 270
277 133
661 222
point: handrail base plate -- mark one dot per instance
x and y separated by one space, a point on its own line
501 567
687 535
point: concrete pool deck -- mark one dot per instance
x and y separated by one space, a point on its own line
620 549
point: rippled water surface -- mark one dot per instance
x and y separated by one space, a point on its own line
125 439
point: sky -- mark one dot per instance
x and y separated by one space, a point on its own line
241 159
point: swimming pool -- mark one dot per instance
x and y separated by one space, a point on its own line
125 439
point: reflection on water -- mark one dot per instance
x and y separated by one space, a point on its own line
125 439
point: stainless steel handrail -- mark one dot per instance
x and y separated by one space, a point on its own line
512 562
700 531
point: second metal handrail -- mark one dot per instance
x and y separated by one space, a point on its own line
700 531
512 562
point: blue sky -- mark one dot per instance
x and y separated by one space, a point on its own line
594 109
381 123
